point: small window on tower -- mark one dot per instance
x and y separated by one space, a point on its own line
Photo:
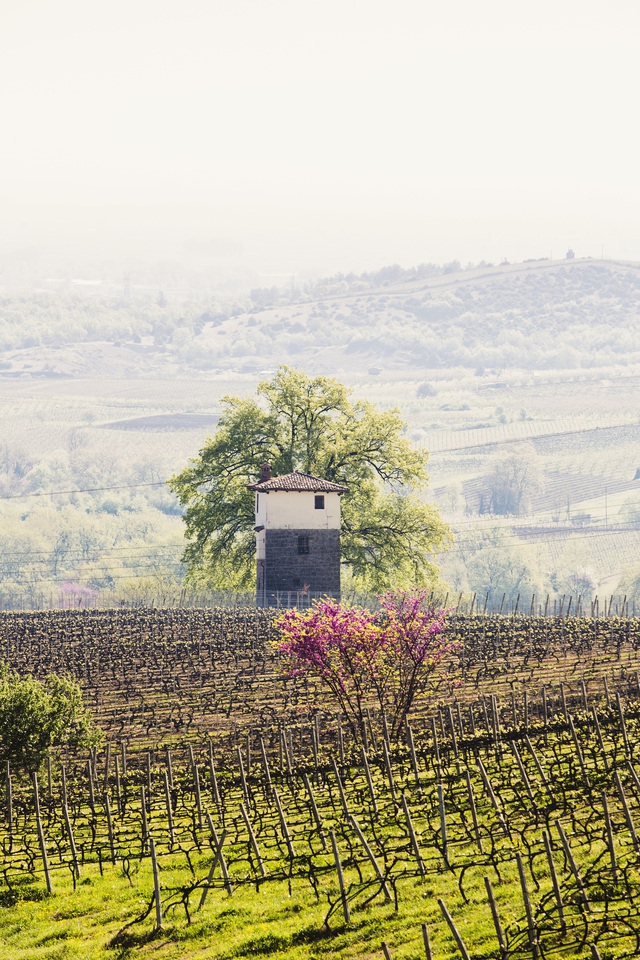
320 502
303 545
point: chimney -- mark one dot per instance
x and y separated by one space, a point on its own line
265 472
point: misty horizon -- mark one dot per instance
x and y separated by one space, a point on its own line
273 139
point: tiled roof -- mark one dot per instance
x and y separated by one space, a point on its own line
301 482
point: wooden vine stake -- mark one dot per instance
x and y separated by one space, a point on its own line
367 770
412 836
436 748
452 725
119 802
502 943
554 880
572 863
443 824
610 843
576 743
634 775
594 714
196 786
387 763
41 839
167 799
92 795
9 798
540 768
623 726
214 780
283 824
563 698
627 812
107 764
223 862
216 859
170 767
265 763
72 842
343 890
426 942
374 862
495 719
454 930
523 772
493 798
112 845
156 883
531 926
143 813
414 758
474 812
585 699
254 842
314 810
343 798
243 779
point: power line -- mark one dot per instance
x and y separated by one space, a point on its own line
34 584
104 551
57 493
99 573
43 556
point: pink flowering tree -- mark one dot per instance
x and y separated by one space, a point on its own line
383 659
77 595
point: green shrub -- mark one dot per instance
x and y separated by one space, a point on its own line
36 716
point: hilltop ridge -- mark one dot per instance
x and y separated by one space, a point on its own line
538 314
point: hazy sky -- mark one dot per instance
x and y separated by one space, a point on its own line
341 134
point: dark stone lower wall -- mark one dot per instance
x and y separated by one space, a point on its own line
287 570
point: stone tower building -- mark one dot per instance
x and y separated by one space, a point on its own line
297 537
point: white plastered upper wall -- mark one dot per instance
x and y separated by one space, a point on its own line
296 510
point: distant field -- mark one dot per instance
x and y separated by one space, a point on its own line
165 421
535 359
84 428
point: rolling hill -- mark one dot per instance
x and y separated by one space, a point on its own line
544 315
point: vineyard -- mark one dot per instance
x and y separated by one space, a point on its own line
228 813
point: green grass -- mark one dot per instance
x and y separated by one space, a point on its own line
109 915
91 922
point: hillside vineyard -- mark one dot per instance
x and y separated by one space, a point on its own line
220 778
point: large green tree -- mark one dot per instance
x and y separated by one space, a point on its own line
389 535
